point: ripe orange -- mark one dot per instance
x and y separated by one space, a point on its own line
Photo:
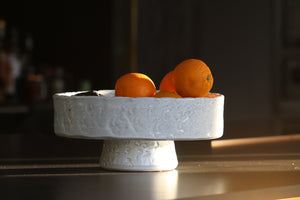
192 78
212 95
165 93
167 82
135 85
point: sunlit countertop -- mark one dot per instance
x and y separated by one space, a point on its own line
249 168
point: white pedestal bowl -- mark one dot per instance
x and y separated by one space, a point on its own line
138 133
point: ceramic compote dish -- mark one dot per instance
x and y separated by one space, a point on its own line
138 133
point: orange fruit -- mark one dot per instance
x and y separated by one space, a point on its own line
212 95
167 82
165 93
135 85
192 78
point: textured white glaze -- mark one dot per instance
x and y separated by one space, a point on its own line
138 155
138 118
139 133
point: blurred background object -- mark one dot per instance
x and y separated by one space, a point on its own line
252 48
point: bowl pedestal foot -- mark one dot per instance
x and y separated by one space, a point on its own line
138 155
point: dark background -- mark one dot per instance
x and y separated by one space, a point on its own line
73 35
249 46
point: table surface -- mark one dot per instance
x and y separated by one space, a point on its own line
250 168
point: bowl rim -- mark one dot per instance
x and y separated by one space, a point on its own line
110 95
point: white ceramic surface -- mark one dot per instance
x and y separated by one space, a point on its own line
138 155
138 133
145 118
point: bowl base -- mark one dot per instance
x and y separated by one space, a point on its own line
138 155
